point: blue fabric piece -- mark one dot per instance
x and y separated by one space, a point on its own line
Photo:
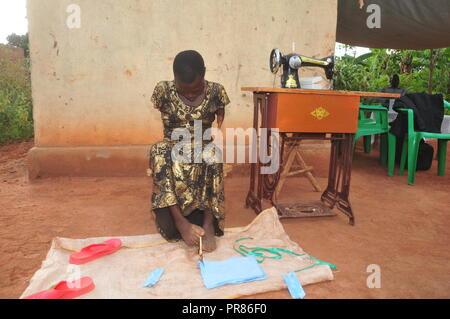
153 278
230 271
294 285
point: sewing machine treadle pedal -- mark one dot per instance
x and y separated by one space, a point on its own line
303 209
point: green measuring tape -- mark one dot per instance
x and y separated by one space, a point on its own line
262 254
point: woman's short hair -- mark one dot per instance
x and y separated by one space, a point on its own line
187 65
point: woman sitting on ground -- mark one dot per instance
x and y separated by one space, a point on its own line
188 197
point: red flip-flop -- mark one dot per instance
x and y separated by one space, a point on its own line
66 290
95 251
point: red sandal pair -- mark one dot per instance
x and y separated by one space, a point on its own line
76 288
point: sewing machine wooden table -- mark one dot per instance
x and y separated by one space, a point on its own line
301 114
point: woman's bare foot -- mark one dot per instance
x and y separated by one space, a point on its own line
209 241
190 233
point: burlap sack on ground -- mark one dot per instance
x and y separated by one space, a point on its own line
121 275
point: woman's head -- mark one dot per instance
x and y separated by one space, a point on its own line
189 72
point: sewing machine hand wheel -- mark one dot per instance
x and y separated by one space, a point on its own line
275 60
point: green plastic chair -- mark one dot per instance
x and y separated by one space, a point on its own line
411 148
372 126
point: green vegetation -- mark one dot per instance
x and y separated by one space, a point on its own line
419 71
20 41
16 120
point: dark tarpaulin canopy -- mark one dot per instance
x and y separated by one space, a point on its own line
403 24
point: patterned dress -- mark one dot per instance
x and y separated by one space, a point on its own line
191 185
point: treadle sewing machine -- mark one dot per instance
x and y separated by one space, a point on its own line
302 114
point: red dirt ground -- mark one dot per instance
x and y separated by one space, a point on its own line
403 229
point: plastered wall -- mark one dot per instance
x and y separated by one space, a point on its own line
92 84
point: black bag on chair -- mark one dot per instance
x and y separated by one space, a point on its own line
424 158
